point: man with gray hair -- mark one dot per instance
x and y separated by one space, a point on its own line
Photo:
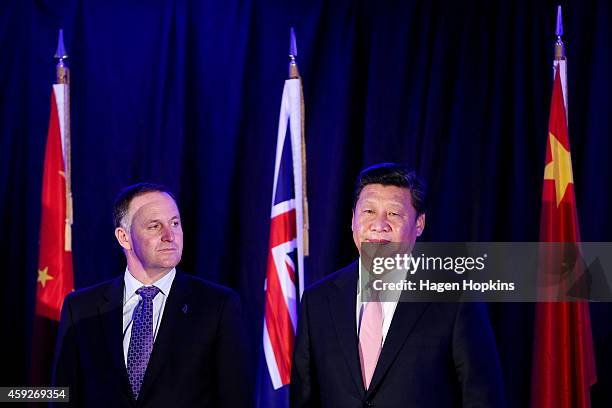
153 336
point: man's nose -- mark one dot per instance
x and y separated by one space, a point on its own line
380 223
167 234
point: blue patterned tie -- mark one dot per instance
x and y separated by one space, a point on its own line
141 341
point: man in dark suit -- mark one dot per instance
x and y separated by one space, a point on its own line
354 353
153 337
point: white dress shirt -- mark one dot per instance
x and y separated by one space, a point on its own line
388 308
131 300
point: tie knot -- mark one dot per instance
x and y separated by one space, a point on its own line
148 292
370 294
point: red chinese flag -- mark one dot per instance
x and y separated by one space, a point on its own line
55 278
563 360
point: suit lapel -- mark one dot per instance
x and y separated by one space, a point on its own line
111 314
405 317
342 306
174 315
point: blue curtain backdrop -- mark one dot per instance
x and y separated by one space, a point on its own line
187 93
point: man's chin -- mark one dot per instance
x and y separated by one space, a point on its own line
169 262
371 248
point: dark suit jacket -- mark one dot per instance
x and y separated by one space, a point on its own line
199 357
435 354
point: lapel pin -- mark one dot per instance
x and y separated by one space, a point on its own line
185 309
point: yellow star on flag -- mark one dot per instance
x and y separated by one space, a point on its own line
43 276
560 168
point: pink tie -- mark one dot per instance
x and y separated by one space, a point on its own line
370 340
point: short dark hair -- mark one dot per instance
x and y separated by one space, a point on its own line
125 197
393 174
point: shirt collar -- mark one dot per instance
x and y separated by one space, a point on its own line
164 284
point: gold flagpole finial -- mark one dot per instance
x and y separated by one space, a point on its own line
61 68
293 68
559 45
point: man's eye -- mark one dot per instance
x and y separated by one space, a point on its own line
154 226
368 211
176 223
393 213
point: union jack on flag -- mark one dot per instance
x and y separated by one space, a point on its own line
285 268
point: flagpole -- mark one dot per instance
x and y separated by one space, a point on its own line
63 78
294 73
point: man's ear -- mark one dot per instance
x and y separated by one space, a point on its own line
420 224
123 238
